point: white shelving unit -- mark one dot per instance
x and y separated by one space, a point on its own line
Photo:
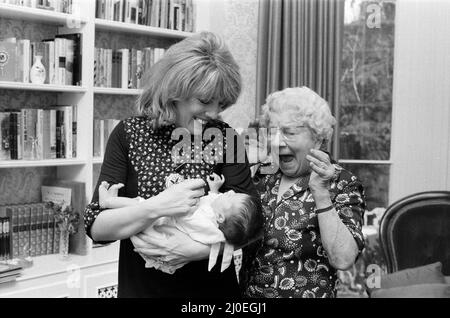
100 266
38 15
42 87
105 25
116 91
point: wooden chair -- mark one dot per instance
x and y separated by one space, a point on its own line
415 231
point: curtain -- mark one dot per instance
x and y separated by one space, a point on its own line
299 44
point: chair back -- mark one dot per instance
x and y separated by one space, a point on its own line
415 231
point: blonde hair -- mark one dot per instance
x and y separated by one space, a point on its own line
200 66
306 107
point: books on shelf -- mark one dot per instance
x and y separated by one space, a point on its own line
169 14
29 232
38 134
61 57
63 6
102 131
123 68
31 229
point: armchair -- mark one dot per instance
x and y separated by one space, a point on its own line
415 231
414 234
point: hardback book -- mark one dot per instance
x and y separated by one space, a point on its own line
39 234
5 153
3 255
33 229
60 61
50 230
125 63
26 231
75 59
6 212
60 138
8 61
51 73
22 230
15 136
44 233
155 9
25 60
67 131
74 130
133 68
29 133
164 14
97 150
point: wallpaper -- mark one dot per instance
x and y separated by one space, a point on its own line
238 26
22 185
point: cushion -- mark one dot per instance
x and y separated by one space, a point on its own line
447 279
414 291
428 274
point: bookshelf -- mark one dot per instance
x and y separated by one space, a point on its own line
116 91
92 102
42 87
38 15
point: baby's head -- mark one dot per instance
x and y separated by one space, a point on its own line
239 215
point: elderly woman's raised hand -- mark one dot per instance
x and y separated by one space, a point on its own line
322 170
179 199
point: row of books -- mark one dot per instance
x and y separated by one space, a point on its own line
169 14
61 58
123 68
64 6
36 134
102 131
28 230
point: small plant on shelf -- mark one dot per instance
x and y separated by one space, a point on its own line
67 220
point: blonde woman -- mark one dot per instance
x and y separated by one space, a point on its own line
195 80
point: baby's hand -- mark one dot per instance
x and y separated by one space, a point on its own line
215 182
106 192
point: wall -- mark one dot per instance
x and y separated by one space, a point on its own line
237 22
421 103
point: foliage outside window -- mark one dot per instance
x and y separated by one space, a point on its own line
365 120
365 106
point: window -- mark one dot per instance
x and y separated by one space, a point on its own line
365 106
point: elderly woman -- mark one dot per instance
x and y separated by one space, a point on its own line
195 80
313 207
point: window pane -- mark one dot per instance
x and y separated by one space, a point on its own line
366 80
375 179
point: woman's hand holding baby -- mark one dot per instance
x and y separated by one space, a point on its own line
179 199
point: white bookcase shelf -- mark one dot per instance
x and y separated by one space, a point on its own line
41 163
39 15
106 25
42 87
116 91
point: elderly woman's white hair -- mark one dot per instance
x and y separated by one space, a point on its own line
306 108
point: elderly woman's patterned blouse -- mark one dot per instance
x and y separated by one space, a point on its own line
292 261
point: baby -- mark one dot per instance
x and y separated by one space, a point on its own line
230 217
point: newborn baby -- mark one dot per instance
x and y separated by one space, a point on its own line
228 217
